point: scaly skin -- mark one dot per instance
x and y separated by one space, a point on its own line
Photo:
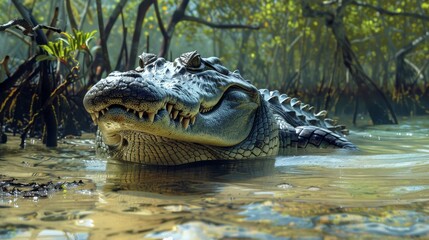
194 109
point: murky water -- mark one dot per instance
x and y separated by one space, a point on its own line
380 192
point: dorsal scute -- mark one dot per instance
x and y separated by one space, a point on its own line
296 113
274 93
331 121
282 97
321 115
265 93
286 101
273 99
305 107
296 103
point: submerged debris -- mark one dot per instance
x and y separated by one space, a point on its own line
12 187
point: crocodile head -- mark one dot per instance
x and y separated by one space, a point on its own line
169 113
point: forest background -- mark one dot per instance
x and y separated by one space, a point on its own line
365 59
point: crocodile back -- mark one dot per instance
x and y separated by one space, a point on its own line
296 113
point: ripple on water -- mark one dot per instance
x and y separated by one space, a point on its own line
341 223
381 191
208 231
356 160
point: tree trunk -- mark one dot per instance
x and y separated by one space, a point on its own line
49 115
141 13
378 106
178 15
103 37
245 36
46 87
406 72
113 17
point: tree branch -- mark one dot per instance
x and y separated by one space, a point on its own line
4 64
14 91
380 113
19 36
26 28
48 103
24 68
83 15
103 37
390 13
407 49
218 25
113 17
53 22
141 13
177 16
307 11
158 18
72 19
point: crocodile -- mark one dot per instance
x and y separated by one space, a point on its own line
194 109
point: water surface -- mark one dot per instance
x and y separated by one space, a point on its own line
379 192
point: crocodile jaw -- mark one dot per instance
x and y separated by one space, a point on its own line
150 149
116 121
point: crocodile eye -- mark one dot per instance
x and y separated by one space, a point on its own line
195 62
191 60
141 63
146 59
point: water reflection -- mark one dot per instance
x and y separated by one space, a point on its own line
183 180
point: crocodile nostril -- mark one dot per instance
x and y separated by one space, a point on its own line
124 142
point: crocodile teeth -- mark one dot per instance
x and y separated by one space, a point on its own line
169 108
102 111
151 116
193 119
185 123
205 110
180 118
175 113
141 114
94 117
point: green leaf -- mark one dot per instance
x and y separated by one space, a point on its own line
45 58
48 49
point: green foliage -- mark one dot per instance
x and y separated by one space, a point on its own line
56 51
64 49
79 41
288 52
